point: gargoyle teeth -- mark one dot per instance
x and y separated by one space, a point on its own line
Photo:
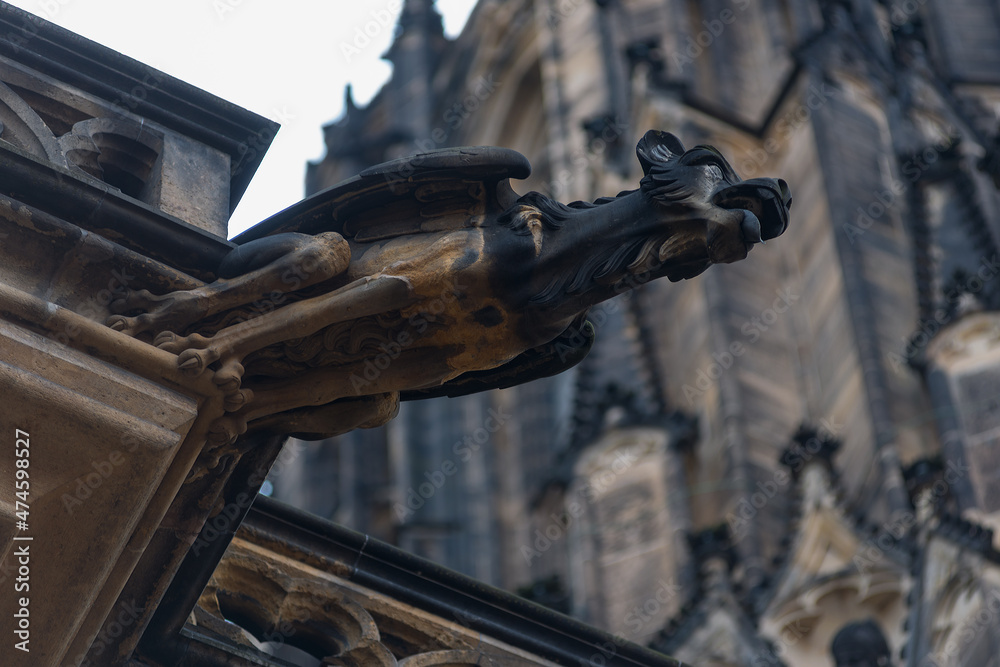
678 246
751 227
768 199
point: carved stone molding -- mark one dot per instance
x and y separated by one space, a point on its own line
961 592
262 600
122 139
963 369
118 151
833 576
23 128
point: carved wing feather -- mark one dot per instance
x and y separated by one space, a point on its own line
452 188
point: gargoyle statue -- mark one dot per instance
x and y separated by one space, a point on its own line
428 276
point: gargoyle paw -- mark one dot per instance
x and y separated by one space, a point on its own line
174 311
137 300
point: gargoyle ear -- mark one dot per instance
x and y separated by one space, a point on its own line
658 147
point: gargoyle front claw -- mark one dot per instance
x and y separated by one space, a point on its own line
171 342
165 340
237 400
225 430
130 326
230 375
194 362
118 322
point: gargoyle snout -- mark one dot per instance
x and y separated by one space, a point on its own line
768 199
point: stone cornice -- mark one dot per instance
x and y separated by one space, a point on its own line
140 89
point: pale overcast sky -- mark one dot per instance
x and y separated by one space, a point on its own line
286 60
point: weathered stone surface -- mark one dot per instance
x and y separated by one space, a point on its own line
110 428
192 184
966 358
294 604
101 440
616 521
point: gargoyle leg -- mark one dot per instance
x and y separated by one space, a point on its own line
326 421
272 265
364 297
322 387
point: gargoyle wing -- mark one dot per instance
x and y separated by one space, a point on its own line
560 354
452 188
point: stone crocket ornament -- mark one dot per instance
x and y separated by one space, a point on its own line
429 276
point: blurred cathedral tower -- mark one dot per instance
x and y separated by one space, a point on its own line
784 460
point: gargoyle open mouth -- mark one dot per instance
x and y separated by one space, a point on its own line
766 199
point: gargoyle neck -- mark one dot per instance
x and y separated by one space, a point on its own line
587 259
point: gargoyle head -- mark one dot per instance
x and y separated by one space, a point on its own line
691 211
702 180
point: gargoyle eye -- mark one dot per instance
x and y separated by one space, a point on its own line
706 156
702 158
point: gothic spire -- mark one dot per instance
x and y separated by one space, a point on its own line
414 55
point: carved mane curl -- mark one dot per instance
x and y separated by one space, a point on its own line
536 207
